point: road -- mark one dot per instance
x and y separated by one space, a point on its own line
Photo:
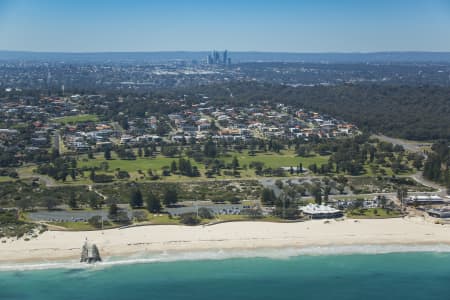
412 146
418 147
441 191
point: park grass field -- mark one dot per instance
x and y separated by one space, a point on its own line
156 164
140 163
6 179
76 119
285 158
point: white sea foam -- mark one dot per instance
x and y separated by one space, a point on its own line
270 253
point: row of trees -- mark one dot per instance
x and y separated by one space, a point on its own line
154 201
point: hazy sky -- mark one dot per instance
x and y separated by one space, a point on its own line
237 25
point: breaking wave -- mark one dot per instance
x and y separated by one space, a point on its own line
270 253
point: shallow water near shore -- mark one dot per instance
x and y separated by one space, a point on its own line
407 275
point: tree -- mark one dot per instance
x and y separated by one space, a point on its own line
104 166
113 211
326 193
279 183
54 154
173 167
402 193
313 168
92 175
73 174
341 188
136 198
72 201
189 219
107 154
124 124
316 191
210 149
170 196
50 202
23 203
267 196
286 206
418 163
147 152
235 163
383 201
153 203
358 204
122 217
96 221
205 213
93 200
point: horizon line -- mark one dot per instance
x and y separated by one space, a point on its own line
230 51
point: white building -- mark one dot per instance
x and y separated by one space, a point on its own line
315 211
425 199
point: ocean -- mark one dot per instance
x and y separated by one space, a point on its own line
377 275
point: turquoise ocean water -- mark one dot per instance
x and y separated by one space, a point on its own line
345 276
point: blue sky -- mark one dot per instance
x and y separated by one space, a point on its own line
237 25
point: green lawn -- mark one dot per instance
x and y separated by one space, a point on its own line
272 160
140 163
76 226
6 179
81 226
276 160
76 119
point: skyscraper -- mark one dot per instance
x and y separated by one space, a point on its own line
216 59
225 57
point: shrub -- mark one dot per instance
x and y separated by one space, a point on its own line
95 221
205 213
189 219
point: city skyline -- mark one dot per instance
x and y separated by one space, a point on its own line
290 26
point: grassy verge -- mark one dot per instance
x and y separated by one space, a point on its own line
81 226
372 213
76 119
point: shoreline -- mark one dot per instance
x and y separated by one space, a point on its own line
235 237
213 255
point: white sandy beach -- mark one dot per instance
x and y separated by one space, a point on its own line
59 245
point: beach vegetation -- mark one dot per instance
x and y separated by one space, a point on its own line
170 195
205 213
189 219
153 203
372 213
136 199
96 221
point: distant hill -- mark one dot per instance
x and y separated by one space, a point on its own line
237 57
